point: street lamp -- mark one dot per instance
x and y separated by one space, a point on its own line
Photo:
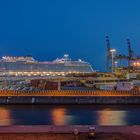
112 51
116 65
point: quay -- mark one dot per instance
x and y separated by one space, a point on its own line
69 97
67 132
68 129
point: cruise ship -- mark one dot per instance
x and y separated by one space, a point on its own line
27 65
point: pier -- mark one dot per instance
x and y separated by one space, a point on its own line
51 132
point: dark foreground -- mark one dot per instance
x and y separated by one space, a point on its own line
66 132
82 136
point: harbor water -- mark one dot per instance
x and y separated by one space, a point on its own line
69 115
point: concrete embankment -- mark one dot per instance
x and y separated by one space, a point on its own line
68 129
67 132
69 97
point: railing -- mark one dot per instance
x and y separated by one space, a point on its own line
69 93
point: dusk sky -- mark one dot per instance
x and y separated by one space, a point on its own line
47 29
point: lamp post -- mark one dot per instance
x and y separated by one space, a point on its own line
112 51
116 65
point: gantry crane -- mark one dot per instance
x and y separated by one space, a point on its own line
108 52
119 57
130 52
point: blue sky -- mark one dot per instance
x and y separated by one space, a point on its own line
48 29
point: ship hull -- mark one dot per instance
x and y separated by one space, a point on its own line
42 67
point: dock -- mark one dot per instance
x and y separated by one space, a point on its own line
69 97
51 132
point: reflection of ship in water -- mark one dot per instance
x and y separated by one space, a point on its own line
5 117
29 64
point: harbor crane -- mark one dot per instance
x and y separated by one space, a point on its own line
108 51
130 52
119 57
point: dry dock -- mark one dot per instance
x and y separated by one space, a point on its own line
69 97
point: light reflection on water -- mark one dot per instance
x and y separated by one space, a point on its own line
109 117
5 118
69 115
59 116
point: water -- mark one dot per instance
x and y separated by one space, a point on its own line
69 115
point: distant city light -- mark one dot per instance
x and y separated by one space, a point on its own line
136 64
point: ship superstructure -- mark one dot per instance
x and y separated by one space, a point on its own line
28 65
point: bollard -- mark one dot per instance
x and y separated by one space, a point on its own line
76 133
91 133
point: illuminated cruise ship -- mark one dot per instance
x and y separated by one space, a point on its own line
29 66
